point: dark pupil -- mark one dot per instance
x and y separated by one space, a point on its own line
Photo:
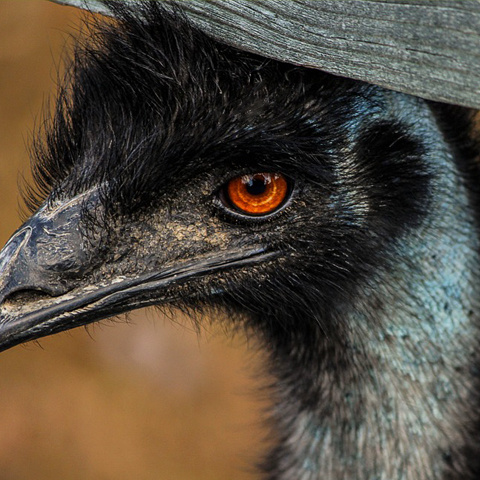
256 186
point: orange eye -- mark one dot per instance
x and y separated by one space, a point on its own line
257 194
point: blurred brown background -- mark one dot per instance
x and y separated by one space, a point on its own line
145 400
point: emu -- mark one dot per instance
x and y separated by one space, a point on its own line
334 220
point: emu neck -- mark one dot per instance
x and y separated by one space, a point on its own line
392 396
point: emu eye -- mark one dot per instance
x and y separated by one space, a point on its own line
256 194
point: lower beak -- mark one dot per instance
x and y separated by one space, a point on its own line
27 314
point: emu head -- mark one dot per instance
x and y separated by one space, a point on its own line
155 123
182 172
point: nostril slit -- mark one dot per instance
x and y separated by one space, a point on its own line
24 296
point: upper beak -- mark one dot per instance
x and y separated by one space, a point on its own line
47 284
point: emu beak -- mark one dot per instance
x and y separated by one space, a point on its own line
43 272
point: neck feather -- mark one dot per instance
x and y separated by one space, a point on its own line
392 397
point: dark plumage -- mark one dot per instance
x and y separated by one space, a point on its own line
363 287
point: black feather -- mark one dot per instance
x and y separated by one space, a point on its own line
154 107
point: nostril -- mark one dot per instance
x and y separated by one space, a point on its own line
23 297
